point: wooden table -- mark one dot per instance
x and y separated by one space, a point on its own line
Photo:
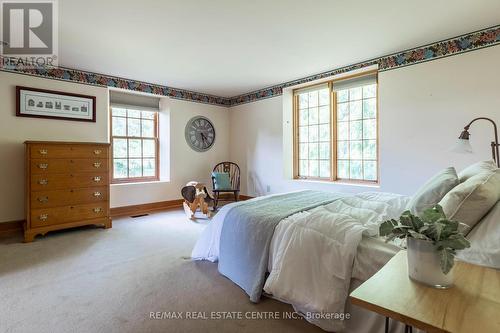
471 305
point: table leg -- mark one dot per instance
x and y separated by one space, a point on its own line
386 324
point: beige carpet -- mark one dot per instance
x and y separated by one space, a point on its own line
96 280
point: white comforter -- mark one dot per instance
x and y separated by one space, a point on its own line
312 253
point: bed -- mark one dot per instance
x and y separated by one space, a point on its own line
313 257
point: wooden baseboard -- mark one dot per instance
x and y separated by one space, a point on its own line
10 228
146 208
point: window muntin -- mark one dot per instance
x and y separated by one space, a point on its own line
134 135
340 142
314 120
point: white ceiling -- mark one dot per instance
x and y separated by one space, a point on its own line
230 47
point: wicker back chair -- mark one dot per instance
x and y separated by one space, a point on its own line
234 177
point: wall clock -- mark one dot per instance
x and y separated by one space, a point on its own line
200 133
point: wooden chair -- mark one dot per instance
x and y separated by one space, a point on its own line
234 177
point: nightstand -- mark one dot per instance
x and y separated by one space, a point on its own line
471 305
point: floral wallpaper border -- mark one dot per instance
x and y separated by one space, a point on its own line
457 45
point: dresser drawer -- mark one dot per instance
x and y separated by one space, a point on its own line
58 215
44 166
68 151
55 198
68 181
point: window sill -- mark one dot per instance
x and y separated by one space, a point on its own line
141 183
342 183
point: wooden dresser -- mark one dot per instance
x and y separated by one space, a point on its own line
67 186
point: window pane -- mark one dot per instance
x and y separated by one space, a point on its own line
135 168
313 116
303 150
303 98
313 133
313 151
356 130
343 149
120 168
324 132
324 169
135 148
355 109
356 169
342 96
370 108
149 167
356 149
119 148
324 114
370 170
313 98
134 127
324 151
343 112
134 113
148 114
369 129
314 168
355 93
303 134
343 131
148 148
303 168
148 128
370 91
324 97
119 126
303 117
119 112
343 169
370 149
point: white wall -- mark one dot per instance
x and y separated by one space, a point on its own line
422 108
15 130
185 164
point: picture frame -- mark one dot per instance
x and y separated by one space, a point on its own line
42 103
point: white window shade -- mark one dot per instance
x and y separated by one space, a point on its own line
140 102
311 88
355 82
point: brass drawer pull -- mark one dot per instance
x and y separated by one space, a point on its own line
43 217
97 194
43 199
43 165
97 179
97 210
97 165
97 152
43 182
43 151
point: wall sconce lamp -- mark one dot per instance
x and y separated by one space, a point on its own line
463 144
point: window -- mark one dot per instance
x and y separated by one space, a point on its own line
134 136
336 130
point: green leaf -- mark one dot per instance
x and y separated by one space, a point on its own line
446 260
386 228
433 214
456 242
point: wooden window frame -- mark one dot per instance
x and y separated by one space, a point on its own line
156 138
333 134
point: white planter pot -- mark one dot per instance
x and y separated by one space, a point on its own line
424 264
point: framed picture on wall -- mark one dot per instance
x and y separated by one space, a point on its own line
40 103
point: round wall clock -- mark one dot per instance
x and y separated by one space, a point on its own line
200 133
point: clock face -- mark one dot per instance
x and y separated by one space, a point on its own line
200 133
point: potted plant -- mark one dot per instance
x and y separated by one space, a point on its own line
432 242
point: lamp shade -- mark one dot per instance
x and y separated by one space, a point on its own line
462 146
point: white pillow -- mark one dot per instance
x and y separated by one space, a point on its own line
476 168
472 199
433 191
484 241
